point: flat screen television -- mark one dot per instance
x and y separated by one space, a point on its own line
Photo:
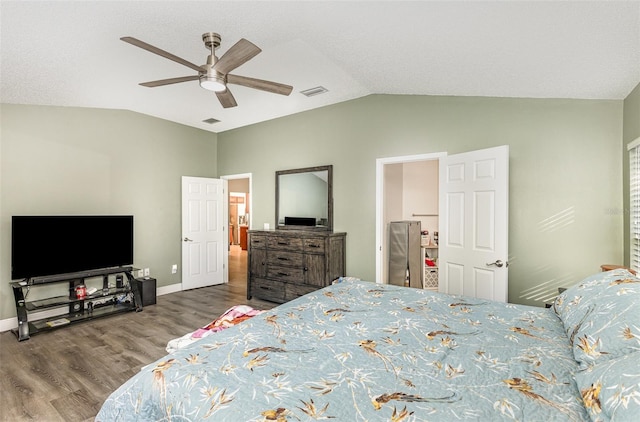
50 245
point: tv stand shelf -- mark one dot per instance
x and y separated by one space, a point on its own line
57 301
104 302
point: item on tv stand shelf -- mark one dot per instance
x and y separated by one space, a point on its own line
81 291
58 322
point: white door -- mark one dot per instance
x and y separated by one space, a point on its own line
474 201
205 239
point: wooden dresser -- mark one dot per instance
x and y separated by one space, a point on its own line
286 264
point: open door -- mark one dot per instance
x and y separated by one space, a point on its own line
474 226
204 232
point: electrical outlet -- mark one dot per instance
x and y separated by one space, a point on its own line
174 268
146 272
140 273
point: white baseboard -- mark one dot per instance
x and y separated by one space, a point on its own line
171 288
9 323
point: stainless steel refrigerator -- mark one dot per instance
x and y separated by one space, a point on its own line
405 266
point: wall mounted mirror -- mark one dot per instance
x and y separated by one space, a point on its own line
304 198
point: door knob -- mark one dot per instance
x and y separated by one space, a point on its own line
498 263
186 239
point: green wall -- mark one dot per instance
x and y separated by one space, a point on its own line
61 160
565 172
631 131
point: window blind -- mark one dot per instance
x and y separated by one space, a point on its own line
634 203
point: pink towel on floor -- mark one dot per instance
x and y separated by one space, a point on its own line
232 316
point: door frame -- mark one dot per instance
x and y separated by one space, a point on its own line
380 163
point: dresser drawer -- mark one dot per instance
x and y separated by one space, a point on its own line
284 258
294 275
268 289
292 291
314 245
258 241
287 243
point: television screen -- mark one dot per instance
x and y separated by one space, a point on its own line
50 245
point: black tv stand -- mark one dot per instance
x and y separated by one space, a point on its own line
102 303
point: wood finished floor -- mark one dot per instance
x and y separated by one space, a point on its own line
66 374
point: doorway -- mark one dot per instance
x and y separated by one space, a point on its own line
407 188
237 217
239 191
473 196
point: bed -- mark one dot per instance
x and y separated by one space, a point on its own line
360 351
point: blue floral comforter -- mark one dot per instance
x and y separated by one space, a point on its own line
360 351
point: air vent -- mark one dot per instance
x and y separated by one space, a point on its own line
314 91
211 121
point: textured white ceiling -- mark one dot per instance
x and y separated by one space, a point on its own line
68 53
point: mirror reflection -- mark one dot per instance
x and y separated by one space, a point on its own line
303 198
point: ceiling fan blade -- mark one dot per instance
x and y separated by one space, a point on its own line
226 98
241 52
160 52
275 87
170 81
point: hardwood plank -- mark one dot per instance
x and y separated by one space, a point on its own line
66 374
77 406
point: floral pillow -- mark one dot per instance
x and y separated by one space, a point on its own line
611 390
601 316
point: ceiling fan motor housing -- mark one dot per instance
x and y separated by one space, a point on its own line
211 39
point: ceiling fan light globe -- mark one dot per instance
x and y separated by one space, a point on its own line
212 83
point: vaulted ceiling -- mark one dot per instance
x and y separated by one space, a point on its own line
69 53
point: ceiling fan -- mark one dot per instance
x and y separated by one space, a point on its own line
214 75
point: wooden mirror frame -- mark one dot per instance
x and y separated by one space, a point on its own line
329 225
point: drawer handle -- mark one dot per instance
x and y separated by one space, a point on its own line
312 245
282 258
281 273
283 243
265 288
305 269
